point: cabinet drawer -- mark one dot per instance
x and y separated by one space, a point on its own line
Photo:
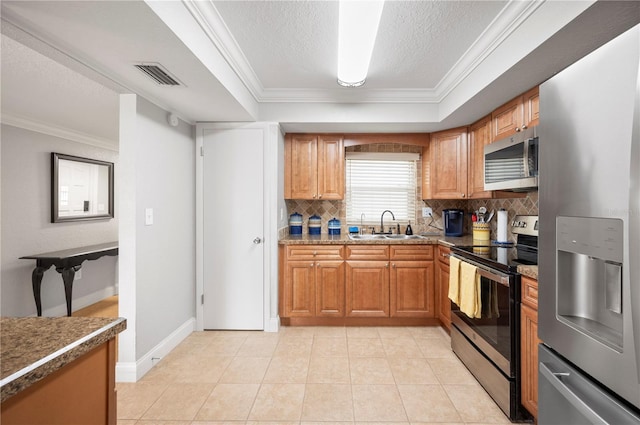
315 252
411 252
367 252
530 292
443 254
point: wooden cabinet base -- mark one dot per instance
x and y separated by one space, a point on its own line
83 392
359 321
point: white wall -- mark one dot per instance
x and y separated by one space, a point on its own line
157 271
27 228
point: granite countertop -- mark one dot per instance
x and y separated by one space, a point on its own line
344 239
33 347
529 271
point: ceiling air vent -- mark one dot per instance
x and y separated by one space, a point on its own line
158 74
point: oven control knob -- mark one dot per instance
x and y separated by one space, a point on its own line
524 224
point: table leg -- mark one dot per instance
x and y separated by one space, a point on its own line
67 277
36 281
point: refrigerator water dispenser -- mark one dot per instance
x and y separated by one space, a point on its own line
589 277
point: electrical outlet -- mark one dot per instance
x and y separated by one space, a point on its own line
427 211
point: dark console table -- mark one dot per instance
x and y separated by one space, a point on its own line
67 263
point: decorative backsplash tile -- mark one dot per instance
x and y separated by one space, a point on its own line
330 209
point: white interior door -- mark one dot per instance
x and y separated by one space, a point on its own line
233 229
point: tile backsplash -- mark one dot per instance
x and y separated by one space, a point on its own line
330 209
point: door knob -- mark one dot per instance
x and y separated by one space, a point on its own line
257 240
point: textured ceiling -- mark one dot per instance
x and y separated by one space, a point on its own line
293 44
44 91
435 65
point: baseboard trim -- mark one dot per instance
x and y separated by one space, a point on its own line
133 371
82 302
273 325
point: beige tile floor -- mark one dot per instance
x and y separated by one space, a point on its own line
309 375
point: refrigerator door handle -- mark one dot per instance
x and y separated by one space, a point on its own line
554 379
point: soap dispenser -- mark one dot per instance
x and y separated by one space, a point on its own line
409 230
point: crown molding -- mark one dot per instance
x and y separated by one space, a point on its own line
508 20
57 131
208 18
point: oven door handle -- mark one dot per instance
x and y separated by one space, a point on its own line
499 277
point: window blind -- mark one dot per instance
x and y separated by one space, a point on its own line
378 182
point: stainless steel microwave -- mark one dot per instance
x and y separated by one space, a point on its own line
512 163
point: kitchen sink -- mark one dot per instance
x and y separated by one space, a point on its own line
366 237
383 237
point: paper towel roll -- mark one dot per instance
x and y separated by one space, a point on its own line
502 226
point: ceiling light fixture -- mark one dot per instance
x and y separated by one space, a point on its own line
357 30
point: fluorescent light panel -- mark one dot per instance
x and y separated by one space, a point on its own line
357 30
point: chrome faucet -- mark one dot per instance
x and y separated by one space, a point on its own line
382 221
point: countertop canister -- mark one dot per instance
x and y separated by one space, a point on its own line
295 224
315 225
334 226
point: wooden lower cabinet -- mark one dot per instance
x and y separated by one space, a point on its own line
529 345
360 284
442 282
329 279
314 288
82 392
367 284
412 289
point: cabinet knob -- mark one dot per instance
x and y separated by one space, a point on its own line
314 196
463 195
524 126
518 129
393 265
311 265
320 196
387 265
315 253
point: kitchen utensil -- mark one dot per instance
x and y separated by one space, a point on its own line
490 216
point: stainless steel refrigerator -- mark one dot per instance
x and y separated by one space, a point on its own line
589 255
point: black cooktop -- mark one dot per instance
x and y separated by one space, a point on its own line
504 257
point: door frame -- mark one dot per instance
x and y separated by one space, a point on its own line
271 133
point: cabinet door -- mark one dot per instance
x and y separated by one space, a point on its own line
330 288
449 164
330 167
479 136
507 119
529 358
412 289
299 289
303 167
531 108
367 284
444 305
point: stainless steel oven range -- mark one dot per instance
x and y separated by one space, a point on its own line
489 345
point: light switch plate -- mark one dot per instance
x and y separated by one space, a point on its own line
148 216
427 211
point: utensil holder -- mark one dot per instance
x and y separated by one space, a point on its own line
481 231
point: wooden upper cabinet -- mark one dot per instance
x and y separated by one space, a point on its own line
479 137
330 167
516 115
314 167
444 165
531 107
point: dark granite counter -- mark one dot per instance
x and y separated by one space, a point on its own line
31 348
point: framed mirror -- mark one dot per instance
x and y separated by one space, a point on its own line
81 189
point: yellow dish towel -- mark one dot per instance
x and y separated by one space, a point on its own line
454 280
470 302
